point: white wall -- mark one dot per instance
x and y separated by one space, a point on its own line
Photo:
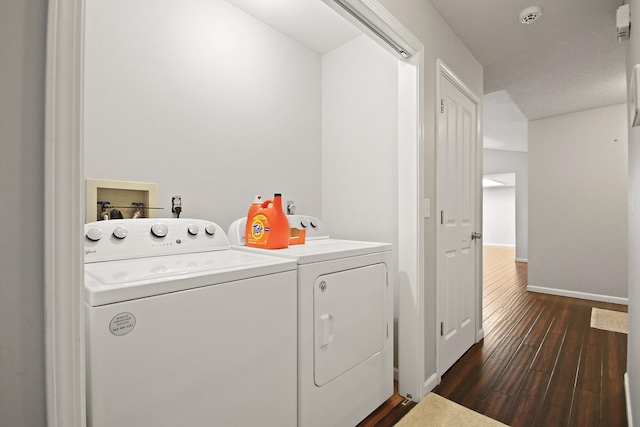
22 92
360 145
360 141
633 339
499 216
578 203
204 100
439 41
502 161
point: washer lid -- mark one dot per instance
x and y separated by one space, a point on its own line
122 280
325 250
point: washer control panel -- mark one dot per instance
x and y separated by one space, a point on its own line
145 237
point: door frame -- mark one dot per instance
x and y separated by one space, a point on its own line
64 220
443 71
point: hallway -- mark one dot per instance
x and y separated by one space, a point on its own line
540 362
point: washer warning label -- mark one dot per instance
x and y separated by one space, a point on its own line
122 324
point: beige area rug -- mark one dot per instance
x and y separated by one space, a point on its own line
609 320
436 411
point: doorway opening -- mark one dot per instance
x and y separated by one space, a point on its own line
502 274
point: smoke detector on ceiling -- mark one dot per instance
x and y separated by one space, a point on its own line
530 14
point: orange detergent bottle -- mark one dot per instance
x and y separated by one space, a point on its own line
257 203
267 225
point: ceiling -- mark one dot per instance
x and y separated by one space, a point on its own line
309 22
566 61
504 127
499 180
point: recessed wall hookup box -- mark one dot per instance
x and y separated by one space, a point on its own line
131 198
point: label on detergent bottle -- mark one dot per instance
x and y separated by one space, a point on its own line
260 229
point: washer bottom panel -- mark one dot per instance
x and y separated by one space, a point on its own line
188 358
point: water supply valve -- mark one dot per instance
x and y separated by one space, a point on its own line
176 205
291 207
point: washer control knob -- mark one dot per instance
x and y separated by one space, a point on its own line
159 230
94 234
193 230
120 232
304 223
314 223
210 230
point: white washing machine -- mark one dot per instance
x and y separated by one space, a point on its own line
183 331
345 323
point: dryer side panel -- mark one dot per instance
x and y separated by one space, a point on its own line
350 319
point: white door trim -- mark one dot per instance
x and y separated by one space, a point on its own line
411 244
443 71
64 219
411 241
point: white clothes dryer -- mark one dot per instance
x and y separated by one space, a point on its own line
180 329
345 323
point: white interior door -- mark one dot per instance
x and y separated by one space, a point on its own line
456 148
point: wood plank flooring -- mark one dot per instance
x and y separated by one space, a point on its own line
540 363
390 412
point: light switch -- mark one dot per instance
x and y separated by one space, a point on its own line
426 208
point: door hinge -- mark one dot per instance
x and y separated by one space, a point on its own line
441 217
441 329
476 235
442 105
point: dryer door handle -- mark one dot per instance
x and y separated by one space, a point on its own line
326 329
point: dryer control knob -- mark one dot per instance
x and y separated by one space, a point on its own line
304 223
159 230
314 223
193 230
120 232
94 234
210 229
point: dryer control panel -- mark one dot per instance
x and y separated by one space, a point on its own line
147 237
316 229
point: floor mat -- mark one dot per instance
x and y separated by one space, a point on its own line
608 320
436 411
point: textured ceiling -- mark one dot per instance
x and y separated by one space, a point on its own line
504 126
568 60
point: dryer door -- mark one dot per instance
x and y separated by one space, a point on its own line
350 323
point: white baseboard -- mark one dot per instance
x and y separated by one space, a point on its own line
431 383
522 260
580 295
627 395
503 245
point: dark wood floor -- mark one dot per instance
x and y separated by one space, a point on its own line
389 412
540 363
